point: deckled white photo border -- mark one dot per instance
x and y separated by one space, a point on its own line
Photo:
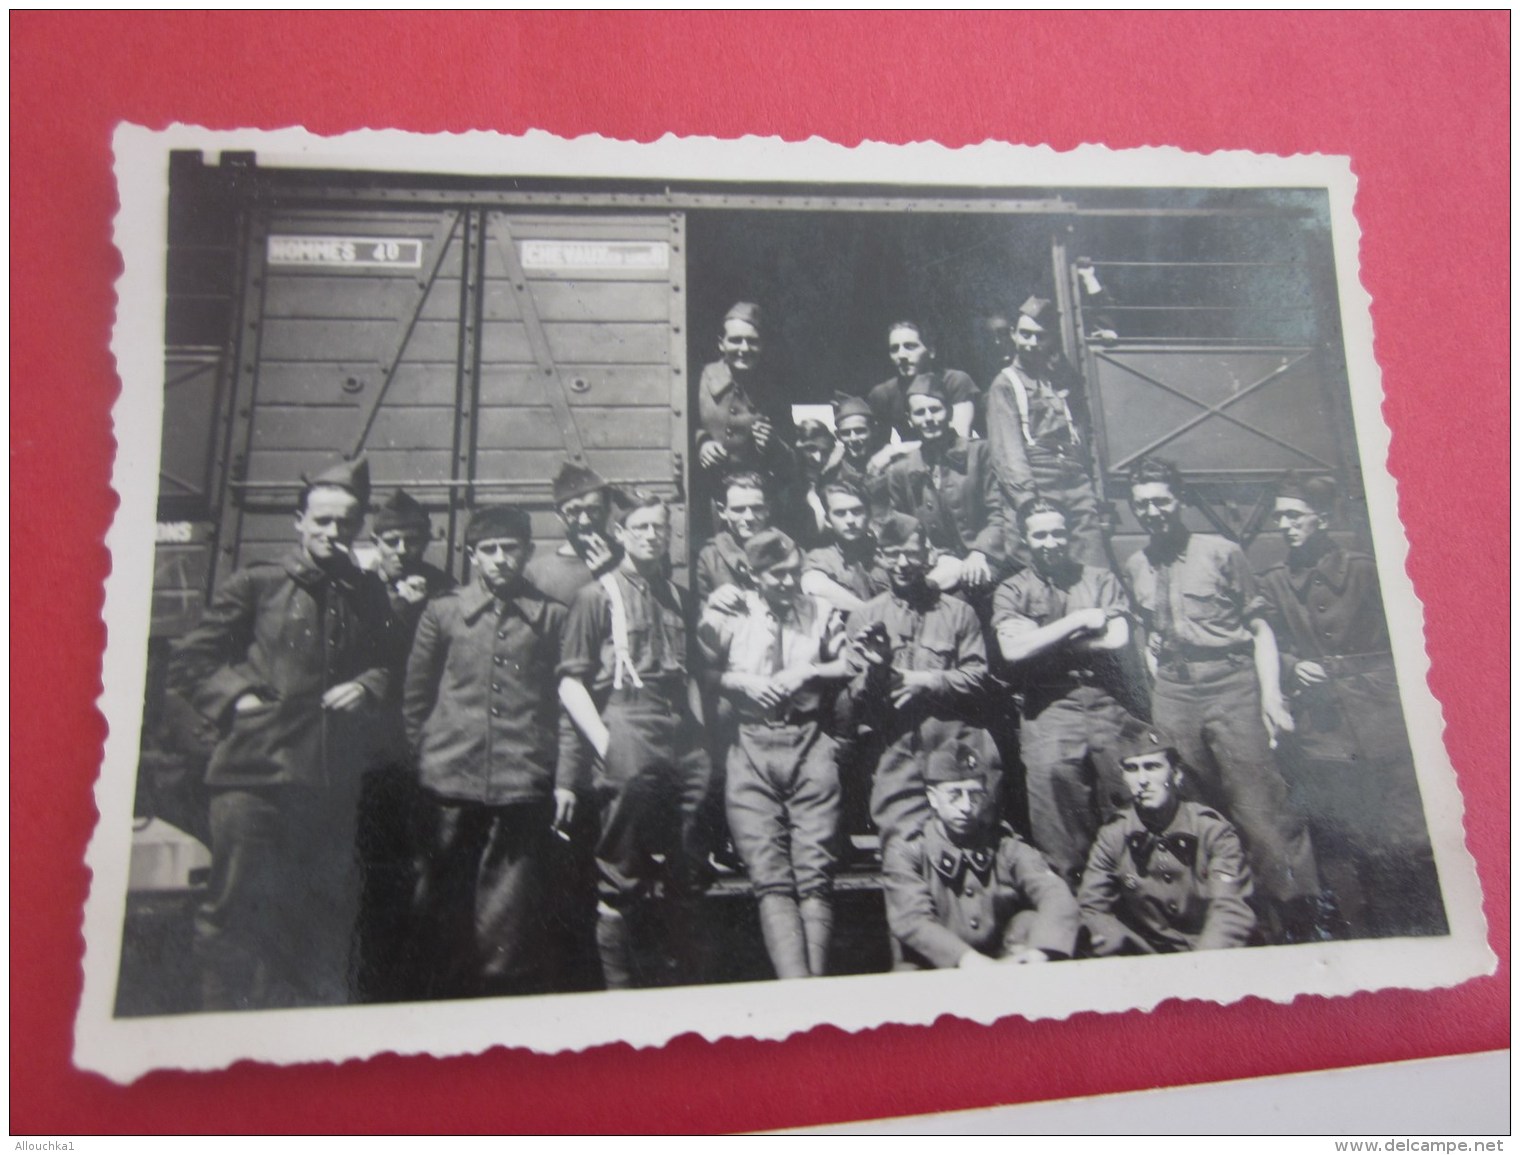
123 1049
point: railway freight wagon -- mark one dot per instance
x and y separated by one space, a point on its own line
470 334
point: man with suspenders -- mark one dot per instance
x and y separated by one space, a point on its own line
624 672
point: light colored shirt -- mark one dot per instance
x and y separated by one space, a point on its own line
1201 598
759 641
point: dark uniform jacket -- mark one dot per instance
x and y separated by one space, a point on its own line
406 614
862 575
936 633
481 704
1330 610
725 414
721 562
1184 888
942 898
953 491
288 631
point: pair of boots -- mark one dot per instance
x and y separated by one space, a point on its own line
797 933
640 948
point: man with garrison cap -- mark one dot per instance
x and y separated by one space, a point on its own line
1348 757
966 890
776 662
401 530
583 500
1166 875
853 459
289 663
924 679
948 484
1038 429
483 716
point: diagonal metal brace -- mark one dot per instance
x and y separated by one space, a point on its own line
1211 411
538 340
406 321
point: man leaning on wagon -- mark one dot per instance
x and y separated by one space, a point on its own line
1217 692
1348 759
290 661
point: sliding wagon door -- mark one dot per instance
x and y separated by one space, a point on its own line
582 357
352 340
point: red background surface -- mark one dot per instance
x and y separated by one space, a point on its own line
1420 103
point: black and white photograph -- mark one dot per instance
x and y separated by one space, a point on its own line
575 591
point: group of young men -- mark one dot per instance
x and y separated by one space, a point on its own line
916 609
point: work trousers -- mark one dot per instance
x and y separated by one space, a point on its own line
279 923
1212 709
1071 776
1371 841
481 898
652 792
784 806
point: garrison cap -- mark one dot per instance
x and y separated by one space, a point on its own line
490 522
746 311
848 405
350 475
928 385
956 763
896 529
767 548
1318 493
401 511
574 480
1136 738
1039 310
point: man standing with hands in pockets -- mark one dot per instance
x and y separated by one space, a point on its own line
290 661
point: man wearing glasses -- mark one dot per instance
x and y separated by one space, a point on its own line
402 531
924 680
1348 757
625 683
